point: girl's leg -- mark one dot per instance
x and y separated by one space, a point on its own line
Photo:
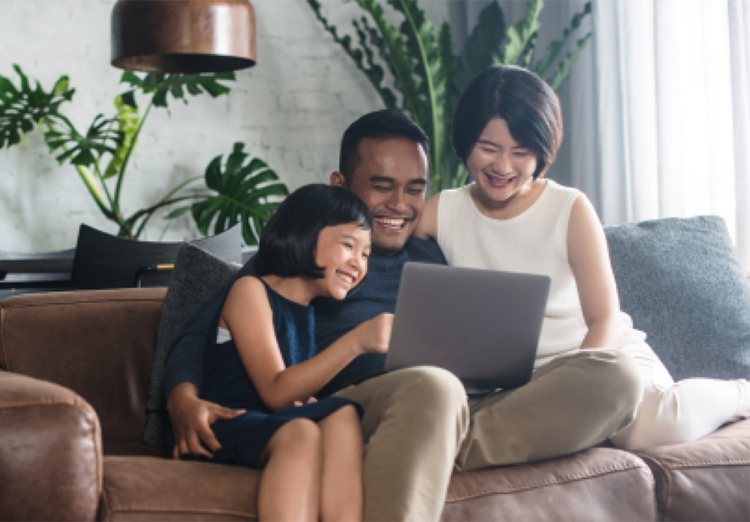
676 413
343 453
290 484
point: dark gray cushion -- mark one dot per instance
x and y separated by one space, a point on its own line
682 283
197 275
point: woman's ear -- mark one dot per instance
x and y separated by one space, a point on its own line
338 180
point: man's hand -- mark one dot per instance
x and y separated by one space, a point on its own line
373 336
191 421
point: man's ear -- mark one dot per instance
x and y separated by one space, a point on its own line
338 180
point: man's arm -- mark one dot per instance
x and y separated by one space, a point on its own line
191 416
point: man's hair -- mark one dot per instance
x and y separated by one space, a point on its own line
527 104
288 242
378 125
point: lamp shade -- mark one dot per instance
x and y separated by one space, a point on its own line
183 36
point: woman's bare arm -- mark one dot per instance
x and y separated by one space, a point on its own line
427 226
589 259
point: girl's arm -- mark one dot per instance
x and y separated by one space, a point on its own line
427 226
247 313
589 259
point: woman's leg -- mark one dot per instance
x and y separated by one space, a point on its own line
290 484
342 496
684 412
676 413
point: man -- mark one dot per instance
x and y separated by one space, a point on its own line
416 421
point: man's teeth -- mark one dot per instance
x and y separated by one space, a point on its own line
391 221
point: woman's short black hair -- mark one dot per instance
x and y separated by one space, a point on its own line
288 242
527 104
383 124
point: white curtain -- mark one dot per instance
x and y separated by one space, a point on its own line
672 125
657 108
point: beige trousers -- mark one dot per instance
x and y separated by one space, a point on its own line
571 403
419 425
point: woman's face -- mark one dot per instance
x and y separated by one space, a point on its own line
500 166
342 252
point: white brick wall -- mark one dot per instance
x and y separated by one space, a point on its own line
290 110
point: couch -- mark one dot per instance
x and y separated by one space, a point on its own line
74 378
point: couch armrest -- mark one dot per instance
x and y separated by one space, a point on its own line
50 452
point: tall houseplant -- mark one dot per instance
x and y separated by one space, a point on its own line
429 77
244 191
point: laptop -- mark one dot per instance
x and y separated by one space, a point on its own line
482 325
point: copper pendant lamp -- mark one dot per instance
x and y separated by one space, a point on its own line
183 36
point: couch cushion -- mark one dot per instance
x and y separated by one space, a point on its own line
197 275
146 488
596 484
682 283
98 343
705 480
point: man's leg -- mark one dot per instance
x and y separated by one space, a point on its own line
572 403
414 422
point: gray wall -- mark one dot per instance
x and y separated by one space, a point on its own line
290 110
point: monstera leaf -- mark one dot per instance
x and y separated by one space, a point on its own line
162 85
247 192
23 107
85 150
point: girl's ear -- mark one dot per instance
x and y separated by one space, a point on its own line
338 180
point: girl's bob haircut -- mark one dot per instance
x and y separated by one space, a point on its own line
527 104
289 240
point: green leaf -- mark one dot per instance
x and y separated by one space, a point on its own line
23 107
246 192
562 71
482 44
85 150
519 35
362 57
555 47
161 86
128 122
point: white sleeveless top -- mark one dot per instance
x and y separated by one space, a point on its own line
533 242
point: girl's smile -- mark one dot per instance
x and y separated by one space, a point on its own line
342 252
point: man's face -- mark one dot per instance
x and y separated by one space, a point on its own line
391 179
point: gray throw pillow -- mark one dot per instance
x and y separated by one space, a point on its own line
196 276
682 283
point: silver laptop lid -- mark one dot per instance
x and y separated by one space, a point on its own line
482 325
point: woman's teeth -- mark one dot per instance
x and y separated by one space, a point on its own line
499 182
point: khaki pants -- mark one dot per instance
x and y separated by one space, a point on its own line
418 425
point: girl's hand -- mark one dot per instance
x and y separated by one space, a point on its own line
374 336
311 400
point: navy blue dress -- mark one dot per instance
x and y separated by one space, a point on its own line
244 438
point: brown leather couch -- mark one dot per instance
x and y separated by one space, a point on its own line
74 370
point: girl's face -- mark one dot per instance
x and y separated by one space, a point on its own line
342 252
500 166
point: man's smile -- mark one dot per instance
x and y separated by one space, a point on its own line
394 224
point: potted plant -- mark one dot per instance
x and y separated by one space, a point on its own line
430 77
242 189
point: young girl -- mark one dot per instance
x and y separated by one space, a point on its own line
265 361
507 129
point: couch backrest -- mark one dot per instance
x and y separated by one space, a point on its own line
99 344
